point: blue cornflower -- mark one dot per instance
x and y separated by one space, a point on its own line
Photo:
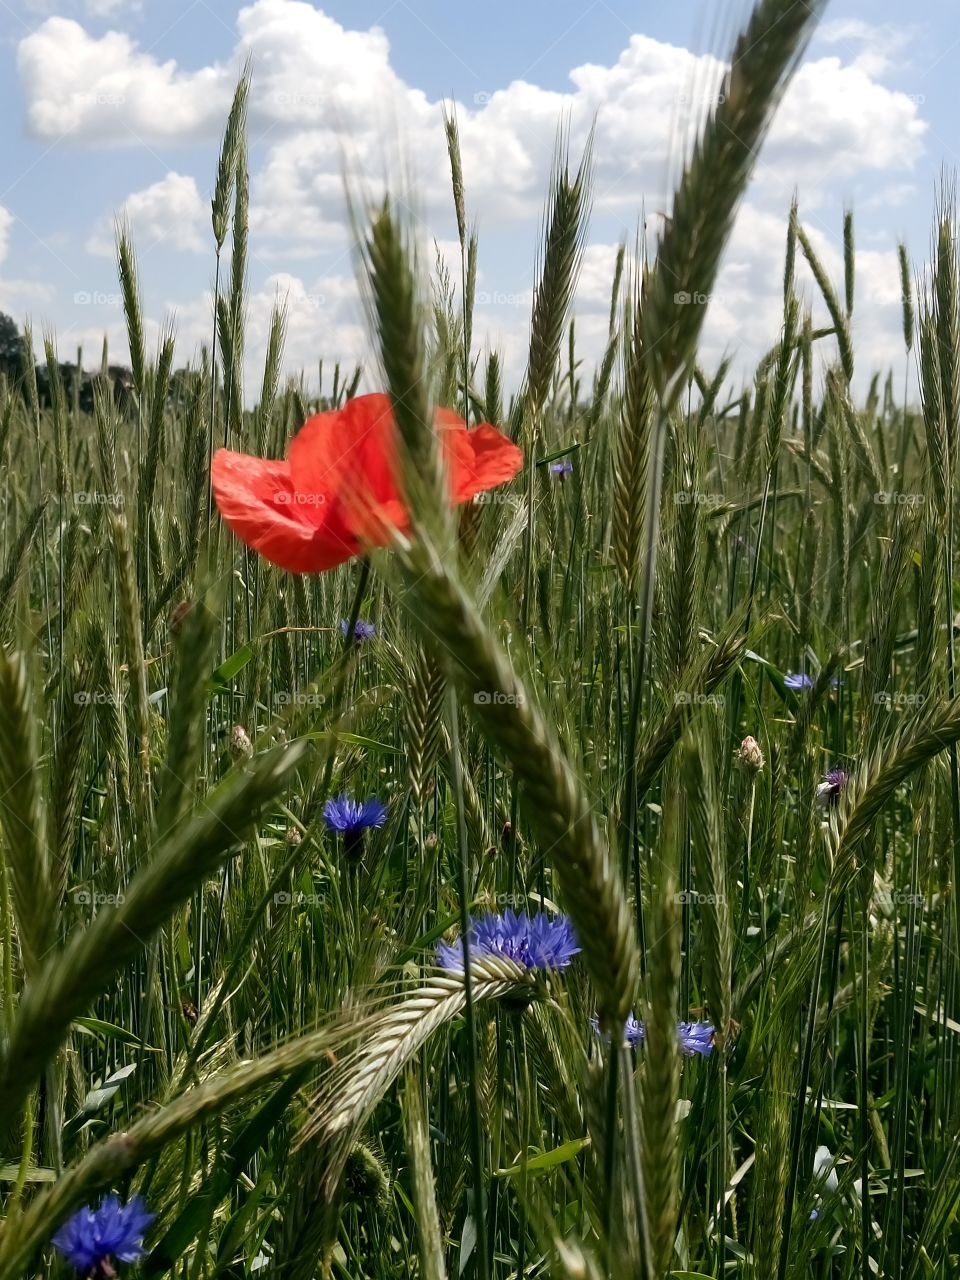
362 630
562 468
633 1032
539 941
695 1037
798 680
351 818
834 780
93 1238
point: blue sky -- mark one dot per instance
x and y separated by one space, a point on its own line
108 105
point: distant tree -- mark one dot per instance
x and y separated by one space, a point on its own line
11 347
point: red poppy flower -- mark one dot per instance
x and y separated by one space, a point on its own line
337 491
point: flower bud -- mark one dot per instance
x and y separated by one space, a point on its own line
750 757
241 748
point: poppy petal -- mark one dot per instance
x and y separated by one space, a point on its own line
257 500
356 443
351 454
479 459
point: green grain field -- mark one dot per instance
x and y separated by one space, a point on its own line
683 688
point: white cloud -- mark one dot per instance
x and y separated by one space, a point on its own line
837 122
170 212
877 45
111 8
105 9
105 90
323 322
18 296
746 309
6 222
324 90
326 98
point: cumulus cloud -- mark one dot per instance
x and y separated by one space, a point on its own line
321 87
6 222
876 44
170 212
745 311
325 98
18 296
111 8
105 90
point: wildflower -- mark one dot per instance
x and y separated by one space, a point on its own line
94 1238
695 1037
338 492
361 631
178 618
562 468
351 818
293 837
825 1175
834 781
539 941
365 1179
750 757
633 1031
241 748
798 680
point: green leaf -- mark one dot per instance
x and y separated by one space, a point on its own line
98 1098
547 1160
109 1031
371 744
11 1172
219 681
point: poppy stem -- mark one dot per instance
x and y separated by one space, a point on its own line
357 603
476 1141
349 642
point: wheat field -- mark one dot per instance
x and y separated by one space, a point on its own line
559 881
